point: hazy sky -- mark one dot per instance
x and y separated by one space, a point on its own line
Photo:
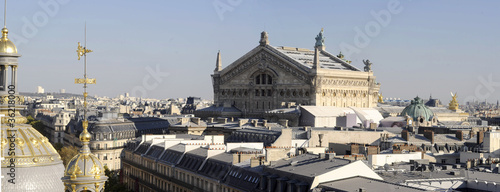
416 47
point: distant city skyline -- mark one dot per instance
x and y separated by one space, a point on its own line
158 49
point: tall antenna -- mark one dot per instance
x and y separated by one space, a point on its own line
82 51
5 15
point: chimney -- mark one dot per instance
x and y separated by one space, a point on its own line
405 135
255 121
264 123
222 120
196 120
211 120
283 122
460 135
429 135
183 120
480 137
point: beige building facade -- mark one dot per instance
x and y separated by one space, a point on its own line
267 77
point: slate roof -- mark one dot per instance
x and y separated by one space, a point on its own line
305 57
358 182
217 166
171 156
305 167
244 179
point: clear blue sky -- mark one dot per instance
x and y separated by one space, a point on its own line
427 47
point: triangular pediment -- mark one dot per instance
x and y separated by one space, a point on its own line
264 58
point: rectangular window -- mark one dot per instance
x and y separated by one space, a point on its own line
443 161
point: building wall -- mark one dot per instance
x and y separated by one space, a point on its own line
382 159
492 142
141 173
334 136
241 85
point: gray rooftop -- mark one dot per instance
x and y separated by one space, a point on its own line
372 185
305 166
305 58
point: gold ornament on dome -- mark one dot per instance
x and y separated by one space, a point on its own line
20 142
35 142
4 142
75 170
95 171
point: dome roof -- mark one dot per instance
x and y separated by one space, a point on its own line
84 172
37 163
31 147
87 165
417 109
6 46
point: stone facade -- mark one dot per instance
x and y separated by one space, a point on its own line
268 77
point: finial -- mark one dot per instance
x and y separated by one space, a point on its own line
264 39
218 64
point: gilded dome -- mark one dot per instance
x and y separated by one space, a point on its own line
30 147
84 165
37 165
6 46
85 168
417 109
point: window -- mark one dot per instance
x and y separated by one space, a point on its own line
263 79
443 161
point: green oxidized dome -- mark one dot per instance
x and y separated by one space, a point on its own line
417 109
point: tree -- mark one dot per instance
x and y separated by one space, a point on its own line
113 183
67 153
38 125
58 146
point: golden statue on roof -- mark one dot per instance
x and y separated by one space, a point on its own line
453 103
380 98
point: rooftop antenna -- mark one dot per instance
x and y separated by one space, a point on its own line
5 15
82 51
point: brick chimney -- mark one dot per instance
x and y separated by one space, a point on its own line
460 135
480 137
405 135
429 135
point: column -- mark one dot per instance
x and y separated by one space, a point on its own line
13 80
3 77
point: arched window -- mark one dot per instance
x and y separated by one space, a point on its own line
263 79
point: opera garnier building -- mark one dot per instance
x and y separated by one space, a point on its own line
268 77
